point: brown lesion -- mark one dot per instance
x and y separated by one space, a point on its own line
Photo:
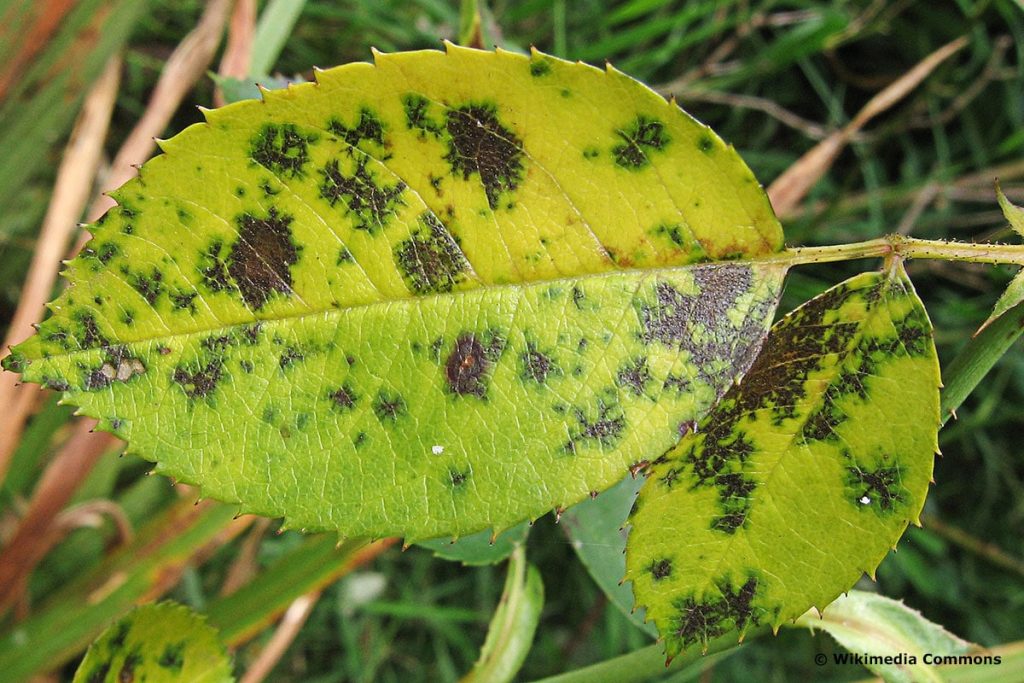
370 203
469 363
261 259
479 144
645 134
431 260
389 406
281 148
199 379
699 620
603 424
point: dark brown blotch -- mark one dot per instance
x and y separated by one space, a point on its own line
431 260
468 365
261 259
199 380
479 144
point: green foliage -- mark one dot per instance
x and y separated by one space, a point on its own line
513 625
160 643
803 475
867 622
480 548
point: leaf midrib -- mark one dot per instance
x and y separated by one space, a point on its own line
426 299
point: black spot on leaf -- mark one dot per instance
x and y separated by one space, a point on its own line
634 376
539 66
183 300
343 398
701 620
416 117
430 260
880 488
260 261
537 366
173 656
481 145
148 286
388 407
199 380
88 333
212 268
281 148
644 135
470 362
290 356
660 569
368 127
457 477
603 424
127 672
369 203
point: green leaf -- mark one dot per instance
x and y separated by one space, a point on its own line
1012 296
421 297
870 624
802 477
479 549
162 642
513 625
595 528
1014 214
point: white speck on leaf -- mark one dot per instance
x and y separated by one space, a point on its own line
437 450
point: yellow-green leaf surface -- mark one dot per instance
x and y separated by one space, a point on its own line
802 478
439 293
157 643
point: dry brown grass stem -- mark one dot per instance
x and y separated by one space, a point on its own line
291 623
790 188
186 65
58 484
244 567
235 61
71 192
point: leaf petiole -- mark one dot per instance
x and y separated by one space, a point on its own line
905 247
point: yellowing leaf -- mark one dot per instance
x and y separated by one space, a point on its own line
421 297
159 643
802 477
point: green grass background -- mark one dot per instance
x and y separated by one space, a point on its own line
821 61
